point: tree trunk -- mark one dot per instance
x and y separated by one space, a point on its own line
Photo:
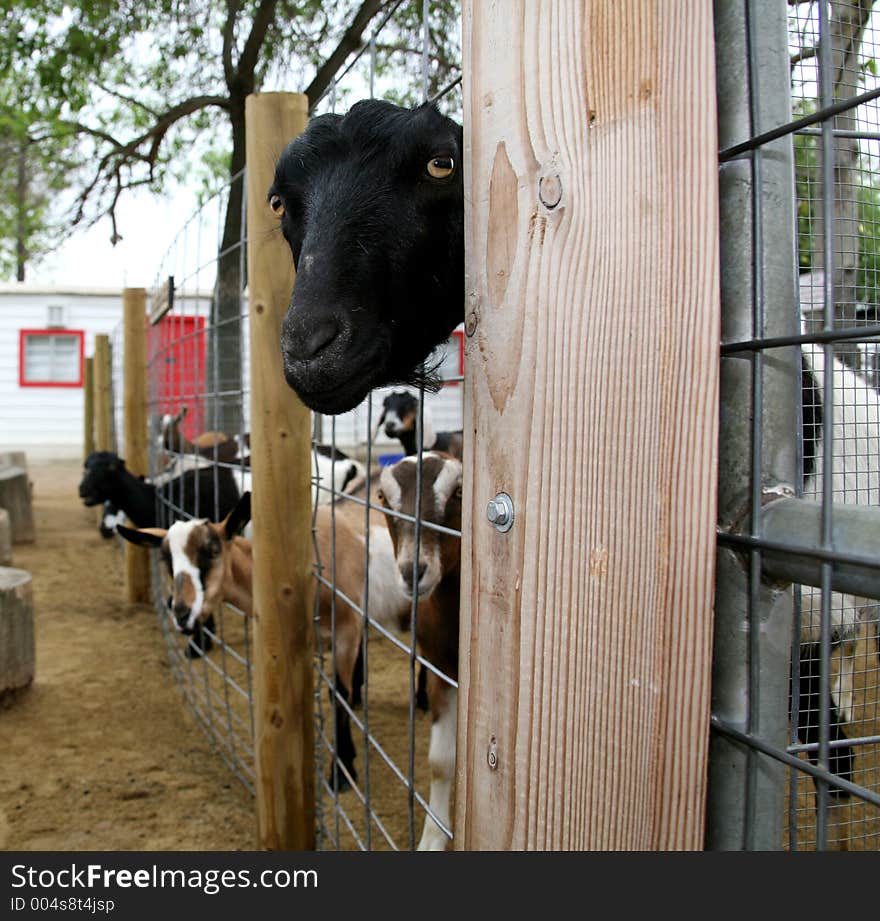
15 497
223 413
16 631
21 222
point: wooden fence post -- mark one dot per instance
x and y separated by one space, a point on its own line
592 311
103 394
134 303
281 506
89 408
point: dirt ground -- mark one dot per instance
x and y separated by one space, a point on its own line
102 753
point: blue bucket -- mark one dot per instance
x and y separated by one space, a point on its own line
386 460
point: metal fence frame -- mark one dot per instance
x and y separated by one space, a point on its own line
764 523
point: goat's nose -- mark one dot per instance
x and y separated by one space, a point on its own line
406 570
318 338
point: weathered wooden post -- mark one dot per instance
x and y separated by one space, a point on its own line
16 631
89 408
592 312
281 467
103 394
15 497
134 303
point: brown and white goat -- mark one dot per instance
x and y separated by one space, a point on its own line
435 577
388 603
210 445
210 564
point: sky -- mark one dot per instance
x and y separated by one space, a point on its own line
147 224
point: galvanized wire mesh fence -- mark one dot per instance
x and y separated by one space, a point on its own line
388 804
833 48
199 415
799 416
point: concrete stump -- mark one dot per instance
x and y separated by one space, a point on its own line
15 497
16 632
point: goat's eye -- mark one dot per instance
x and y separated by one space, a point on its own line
458 493
276 204
441 167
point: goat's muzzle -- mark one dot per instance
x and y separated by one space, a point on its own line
330 365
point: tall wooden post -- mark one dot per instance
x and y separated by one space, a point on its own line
103 394
89 407
134 306
281 506
592 312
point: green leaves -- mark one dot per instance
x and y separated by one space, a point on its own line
105 96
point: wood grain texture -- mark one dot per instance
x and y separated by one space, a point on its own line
17 651
134 309
592 399
103 394
89 407
281 506
16 498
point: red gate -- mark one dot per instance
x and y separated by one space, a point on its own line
177 346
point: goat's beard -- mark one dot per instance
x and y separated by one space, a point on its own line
425 376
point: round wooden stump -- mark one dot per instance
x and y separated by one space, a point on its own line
16 632
15 497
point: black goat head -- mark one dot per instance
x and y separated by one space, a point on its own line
371 204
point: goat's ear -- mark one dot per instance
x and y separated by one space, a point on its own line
238 517
146 537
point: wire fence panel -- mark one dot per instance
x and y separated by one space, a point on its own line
199 412
798 187
833 50
381 798
199 421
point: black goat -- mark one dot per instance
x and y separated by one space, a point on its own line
106 479
371 204
110 518
399 413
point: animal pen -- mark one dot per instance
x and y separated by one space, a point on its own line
666 633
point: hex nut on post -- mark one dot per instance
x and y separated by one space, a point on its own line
499 511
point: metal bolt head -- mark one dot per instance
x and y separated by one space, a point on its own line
499 511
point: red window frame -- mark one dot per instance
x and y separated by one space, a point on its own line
458 334
24 333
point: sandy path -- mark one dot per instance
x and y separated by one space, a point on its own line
100 753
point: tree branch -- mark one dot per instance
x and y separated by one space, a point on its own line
803 55
128 99
349 42
250 55
114 159
232 8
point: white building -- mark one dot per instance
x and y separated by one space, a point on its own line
45 334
